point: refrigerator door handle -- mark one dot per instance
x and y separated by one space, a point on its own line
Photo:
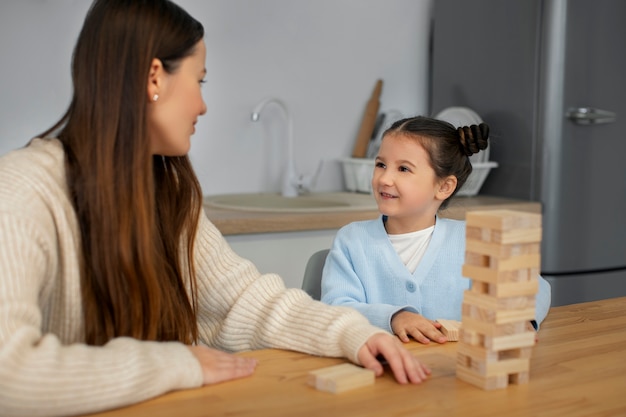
589 115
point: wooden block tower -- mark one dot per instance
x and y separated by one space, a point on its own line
502 259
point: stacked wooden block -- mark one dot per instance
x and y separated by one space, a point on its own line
502 259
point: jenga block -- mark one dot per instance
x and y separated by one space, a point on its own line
494 276
481 353
340 378
476 259
526 261
471 337
484 382
506 367
506 237
522 353
512 289
503 219
497 317
450 329
520 340
497 303
492 330
499 250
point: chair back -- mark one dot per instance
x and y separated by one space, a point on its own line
312 282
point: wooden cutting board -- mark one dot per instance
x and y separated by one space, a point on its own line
367 124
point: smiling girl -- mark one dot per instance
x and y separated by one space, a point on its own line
403 270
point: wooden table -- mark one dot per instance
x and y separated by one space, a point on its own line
578 368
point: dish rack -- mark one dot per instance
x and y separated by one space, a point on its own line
475 181
357 175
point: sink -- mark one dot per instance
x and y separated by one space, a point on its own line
307 203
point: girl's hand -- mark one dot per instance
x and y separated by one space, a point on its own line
405 367
218 366
406 323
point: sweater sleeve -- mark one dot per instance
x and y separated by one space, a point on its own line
42 375
543 301
241 309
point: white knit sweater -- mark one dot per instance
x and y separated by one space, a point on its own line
45 367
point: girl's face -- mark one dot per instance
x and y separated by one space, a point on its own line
405 185
172 117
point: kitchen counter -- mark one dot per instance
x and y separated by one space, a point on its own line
237 222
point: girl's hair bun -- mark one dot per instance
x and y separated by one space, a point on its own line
473 138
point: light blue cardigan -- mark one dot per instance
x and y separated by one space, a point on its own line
364 271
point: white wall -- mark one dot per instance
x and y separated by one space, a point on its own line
321 57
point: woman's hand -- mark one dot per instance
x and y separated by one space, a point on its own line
406 323
405 367
218 366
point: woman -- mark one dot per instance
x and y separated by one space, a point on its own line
114 286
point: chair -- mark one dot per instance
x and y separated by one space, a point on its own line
312 282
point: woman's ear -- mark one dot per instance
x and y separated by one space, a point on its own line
155 79
446 187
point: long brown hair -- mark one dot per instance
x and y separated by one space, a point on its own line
137 212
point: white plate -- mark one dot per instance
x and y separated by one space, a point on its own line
464 116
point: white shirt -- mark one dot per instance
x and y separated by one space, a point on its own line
411 246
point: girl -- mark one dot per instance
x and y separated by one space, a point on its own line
114 286
403 270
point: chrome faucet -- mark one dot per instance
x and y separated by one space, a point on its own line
293 184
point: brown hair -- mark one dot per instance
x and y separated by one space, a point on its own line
137 212
448 148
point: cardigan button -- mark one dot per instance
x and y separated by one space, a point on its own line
410 286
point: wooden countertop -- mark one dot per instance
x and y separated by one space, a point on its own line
577 369
234 222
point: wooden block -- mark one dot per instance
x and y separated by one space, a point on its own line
471 337
494 276
512 289
480 353
511 263
507 289
493 330
506 237
497 317
450 328
498 303
497 250
477 259
531 260
484 354
508 342
481 381
340 378
503 219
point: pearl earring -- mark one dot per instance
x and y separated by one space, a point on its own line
155 97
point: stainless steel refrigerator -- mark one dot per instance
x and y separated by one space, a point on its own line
549 77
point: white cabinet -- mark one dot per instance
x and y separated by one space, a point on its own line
283 253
